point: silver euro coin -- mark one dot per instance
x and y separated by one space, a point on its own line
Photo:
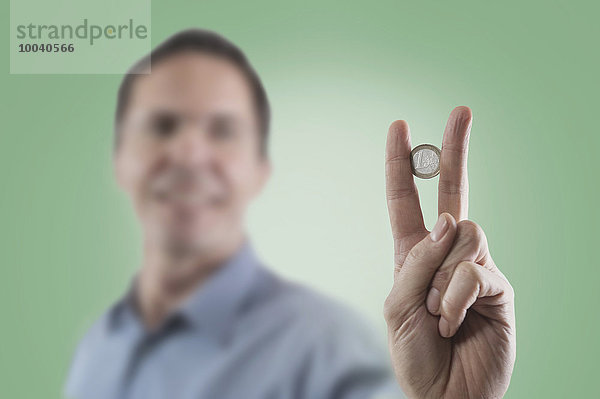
425 161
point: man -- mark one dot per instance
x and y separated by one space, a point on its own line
204 318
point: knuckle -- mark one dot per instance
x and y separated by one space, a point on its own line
465 270
416 253
400 192
400 189
396 158
397 165
391 307
448 186
450 307
441 278
510 292
388 308
461 147
470 230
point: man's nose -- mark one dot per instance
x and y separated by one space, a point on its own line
191 147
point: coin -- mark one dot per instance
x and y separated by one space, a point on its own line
425 161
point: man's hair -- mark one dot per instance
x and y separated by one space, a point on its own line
205 41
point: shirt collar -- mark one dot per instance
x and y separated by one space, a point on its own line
213 306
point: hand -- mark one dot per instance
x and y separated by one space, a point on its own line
450 312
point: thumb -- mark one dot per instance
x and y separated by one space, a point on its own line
413 277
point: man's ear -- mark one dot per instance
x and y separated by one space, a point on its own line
265 170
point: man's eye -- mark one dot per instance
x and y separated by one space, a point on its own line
223 131
163 126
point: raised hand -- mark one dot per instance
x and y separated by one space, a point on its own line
450 313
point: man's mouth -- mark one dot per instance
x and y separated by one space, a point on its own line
186 198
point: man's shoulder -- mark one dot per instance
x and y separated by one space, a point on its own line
91 350
97 329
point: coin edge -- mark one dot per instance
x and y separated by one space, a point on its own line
434 149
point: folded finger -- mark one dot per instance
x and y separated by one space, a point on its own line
470 281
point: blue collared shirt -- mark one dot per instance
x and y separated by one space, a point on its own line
245 333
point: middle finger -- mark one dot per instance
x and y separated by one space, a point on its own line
453 189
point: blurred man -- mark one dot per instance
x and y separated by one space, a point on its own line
204 318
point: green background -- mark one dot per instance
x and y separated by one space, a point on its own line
337 73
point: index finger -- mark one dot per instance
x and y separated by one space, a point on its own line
402 195
453 188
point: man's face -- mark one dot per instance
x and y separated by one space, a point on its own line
189 156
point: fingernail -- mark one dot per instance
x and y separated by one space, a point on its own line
444 327
433 300
439 229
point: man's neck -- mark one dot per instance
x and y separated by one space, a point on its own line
165 281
